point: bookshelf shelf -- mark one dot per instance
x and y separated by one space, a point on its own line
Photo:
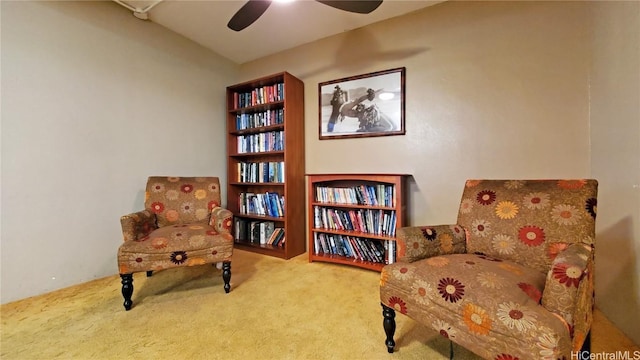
265 164
352 218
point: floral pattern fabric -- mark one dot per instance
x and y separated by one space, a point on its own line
512 279
183 225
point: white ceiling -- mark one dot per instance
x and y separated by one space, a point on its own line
282 26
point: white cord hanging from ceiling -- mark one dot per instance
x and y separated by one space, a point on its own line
140 13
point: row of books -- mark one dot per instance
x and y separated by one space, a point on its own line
254 120
265 204
375 195
258 232
352 247
259 95
370 221
267 141
261 172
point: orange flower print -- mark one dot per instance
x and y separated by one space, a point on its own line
397 304
384 277
212 232
159 243
213 187
536 200
472 183
172 215
446 243
437 261
476 319
571 184
157 207
200 194
506 210
567 274
555 248
511 268
401 249
592 207
531 291
186 188
565 214
450 289
486 197
173 179
213 204
531 235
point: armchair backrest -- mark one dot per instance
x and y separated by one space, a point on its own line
528 221
180 200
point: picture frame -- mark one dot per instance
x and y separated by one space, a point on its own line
366 105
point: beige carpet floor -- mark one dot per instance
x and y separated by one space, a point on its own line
277 309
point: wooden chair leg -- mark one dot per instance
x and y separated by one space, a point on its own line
586 346
389 324
226 275
127 290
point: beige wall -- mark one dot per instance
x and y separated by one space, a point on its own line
499 90
94 101
615 147
496 90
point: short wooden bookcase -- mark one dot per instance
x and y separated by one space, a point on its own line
352 218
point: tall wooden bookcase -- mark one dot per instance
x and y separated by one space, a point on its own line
265 166
353 218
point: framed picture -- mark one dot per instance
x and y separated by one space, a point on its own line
363 105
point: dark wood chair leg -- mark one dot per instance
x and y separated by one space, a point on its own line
226 275
389 324
149 273
586 347
127 290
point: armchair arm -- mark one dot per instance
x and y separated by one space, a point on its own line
569 289
221 220
419 242
137 225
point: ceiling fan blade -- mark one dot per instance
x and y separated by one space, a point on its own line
248 13
355 6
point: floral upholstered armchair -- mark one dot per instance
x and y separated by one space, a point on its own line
512 279
182 225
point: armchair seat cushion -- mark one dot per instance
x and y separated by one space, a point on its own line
476 299
175 245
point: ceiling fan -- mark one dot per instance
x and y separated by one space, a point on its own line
253 9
